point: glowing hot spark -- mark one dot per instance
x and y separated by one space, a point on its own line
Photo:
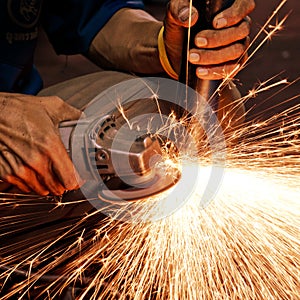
244 245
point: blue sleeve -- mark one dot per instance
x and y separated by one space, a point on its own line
71 25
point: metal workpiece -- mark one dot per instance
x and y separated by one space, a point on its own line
208 89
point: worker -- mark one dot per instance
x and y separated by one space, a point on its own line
116 35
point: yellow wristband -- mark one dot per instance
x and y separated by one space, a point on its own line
163 56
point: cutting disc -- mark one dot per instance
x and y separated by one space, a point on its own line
158 183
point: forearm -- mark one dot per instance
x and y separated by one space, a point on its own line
128 42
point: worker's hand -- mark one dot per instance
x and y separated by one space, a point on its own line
218 51
32 155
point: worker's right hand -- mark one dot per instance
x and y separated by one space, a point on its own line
217 51
32 155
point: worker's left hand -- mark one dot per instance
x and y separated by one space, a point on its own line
32 155
217 51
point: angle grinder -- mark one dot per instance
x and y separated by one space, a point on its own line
128 163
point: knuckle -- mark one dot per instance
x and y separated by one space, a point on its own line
56 99
213 37
238 49
243 8
72 187
71 182
53 105
244 28
252 5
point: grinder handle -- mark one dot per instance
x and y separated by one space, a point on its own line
66 129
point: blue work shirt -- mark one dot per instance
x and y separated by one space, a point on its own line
70 25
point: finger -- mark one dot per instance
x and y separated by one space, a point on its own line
218 38
18 183
29 176
6 170
59 110
217 72
180 11
46 176
36 173
41 185
21 175
46 179
216 56
63 167
234 14
53 166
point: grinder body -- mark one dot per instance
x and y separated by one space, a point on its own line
107 151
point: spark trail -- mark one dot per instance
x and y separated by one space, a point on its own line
244 245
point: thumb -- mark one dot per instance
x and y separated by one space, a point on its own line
179 13
59 110
177 17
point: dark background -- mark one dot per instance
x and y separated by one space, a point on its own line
278 56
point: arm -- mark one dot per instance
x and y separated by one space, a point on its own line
129 40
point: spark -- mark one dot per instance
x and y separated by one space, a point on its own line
252 48
244 245
264 86
122 112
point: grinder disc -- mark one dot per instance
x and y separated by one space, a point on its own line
160 182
